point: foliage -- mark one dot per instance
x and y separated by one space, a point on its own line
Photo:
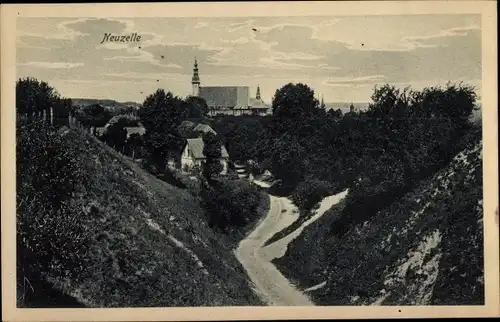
231 204
115 213
116 134
295 100
288 160
403 137
161 114
34 98
94 115
135 146
445 207
212 152
309 192
50 238
197 107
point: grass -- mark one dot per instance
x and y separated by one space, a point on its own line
131 264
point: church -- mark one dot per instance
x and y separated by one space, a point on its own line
229 100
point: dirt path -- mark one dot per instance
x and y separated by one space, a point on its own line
270 284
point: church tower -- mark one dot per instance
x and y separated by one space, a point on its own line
322 102
196 79
257 96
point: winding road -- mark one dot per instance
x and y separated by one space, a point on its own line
270 284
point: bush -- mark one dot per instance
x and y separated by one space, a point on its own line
231 204
50 236
309 192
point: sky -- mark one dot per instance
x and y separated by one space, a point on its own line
340 58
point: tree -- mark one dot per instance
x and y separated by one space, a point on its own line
288 160
197 107
135 144
62 109
337 114
212 151
34 98
161 114
295 100
94 115
162 111
116 134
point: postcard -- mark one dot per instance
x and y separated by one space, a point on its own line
249 160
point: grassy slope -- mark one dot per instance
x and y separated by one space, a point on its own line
138 223
424 249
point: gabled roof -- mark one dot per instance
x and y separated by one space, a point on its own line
258 104
186 128
116 118
204 128
196 146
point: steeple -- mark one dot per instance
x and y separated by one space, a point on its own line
322 102
257 96
195 81
351 108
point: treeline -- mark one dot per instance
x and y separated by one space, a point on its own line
37 100
379 154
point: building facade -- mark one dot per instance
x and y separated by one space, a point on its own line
192 156
229 100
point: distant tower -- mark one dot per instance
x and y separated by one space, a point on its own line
196 79
257 96
351 108
322 102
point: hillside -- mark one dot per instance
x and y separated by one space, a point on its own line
426 248
105 102
134 239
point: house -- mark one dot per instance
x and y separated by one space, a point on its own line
137 127
192 155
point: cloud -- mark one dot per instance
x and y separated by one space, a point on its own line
145 57
295 56
149 76
201 24
50 65
239 25
113 46
62 31
340 56
439 39
354 81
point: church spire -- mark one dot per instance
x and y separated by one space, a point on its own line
257 96
322 102
195 81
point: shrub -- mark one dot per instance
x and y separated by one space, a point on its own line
309 192
50 235
231 204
